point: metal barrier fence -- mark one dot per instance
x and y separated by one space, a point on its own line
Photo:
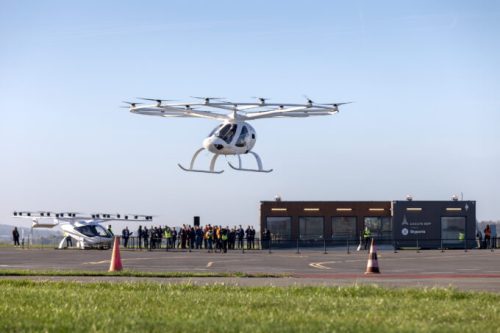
348 245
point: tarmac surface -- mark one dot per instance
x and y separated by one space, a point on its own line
474 270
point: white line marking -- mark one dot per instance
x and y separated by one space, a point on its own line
319 265
210 264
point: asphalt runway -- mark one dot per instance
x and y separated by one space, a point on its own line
471 270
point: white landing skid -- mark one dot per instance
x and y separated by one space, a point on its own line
212 164
259 164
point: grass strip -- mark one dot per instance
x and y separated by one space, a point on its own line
30 306
131 273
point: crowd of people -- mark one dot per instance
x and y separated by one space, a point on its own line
210 238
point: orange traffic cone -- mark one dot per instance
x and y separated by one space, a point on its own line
116 261
372 266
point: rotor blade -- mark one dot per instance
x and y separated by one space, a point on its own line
309 101
131 103
335 104
156 99
261 99
204 98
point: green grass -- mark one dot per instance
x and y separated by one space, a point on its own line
152 307
130 273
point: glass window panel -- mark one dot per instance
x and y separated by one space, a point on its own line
379 226
241 142
451 227
311 227
343 227
280 227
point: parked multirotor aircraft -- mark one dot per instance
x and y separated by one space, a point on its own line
234 136
86 229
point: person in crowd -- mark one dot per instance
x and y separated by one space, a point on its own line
224 238
139 237
192 237
145 237
487 237
184 236
218 240
252 237
205 240
168 238
126 235
209 236
174 238
152 237
69 240
198 237
240 234
110 230
232 238
248 234
15 236
479 237
266 236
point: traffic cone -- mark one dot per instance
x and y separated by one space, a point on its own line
372 266
116 261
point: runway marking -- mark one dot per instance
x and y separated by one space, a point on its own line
96 262
107 261
319 265
210 264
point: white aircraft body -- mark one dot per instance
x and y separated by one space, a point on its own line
234 136
85 229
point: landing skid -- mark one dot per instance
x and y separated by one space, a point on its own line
259 164
212 164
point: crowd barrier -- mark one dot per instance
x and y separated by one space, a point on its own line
348 245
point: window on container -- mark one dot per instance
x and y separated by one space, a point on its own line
379 226
343 227
311 228
451 227
279 227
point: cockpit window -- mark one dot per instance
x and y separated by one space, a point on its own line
92 231
215 130
242 138
227 132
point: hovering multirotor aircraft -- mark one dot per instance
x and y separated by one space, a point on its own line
86 229
234 136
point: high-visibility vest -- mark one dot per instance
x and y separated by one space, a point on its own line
224 237
208 234
168 234
461 236
367 233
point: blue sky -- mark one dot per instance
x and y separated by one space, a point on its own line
424 76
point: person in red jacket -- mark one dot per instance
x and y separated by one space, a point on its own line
487 236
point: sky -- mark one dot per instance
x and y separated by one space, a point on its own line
424 76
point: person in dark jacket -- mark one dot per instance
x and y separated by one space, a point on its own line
15 236
126 235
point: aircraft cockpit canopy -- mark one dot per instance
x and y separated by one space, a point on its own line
93 230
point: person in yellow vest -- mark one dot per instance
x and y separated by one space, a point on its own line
367 237
209 236
168 237
218 241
